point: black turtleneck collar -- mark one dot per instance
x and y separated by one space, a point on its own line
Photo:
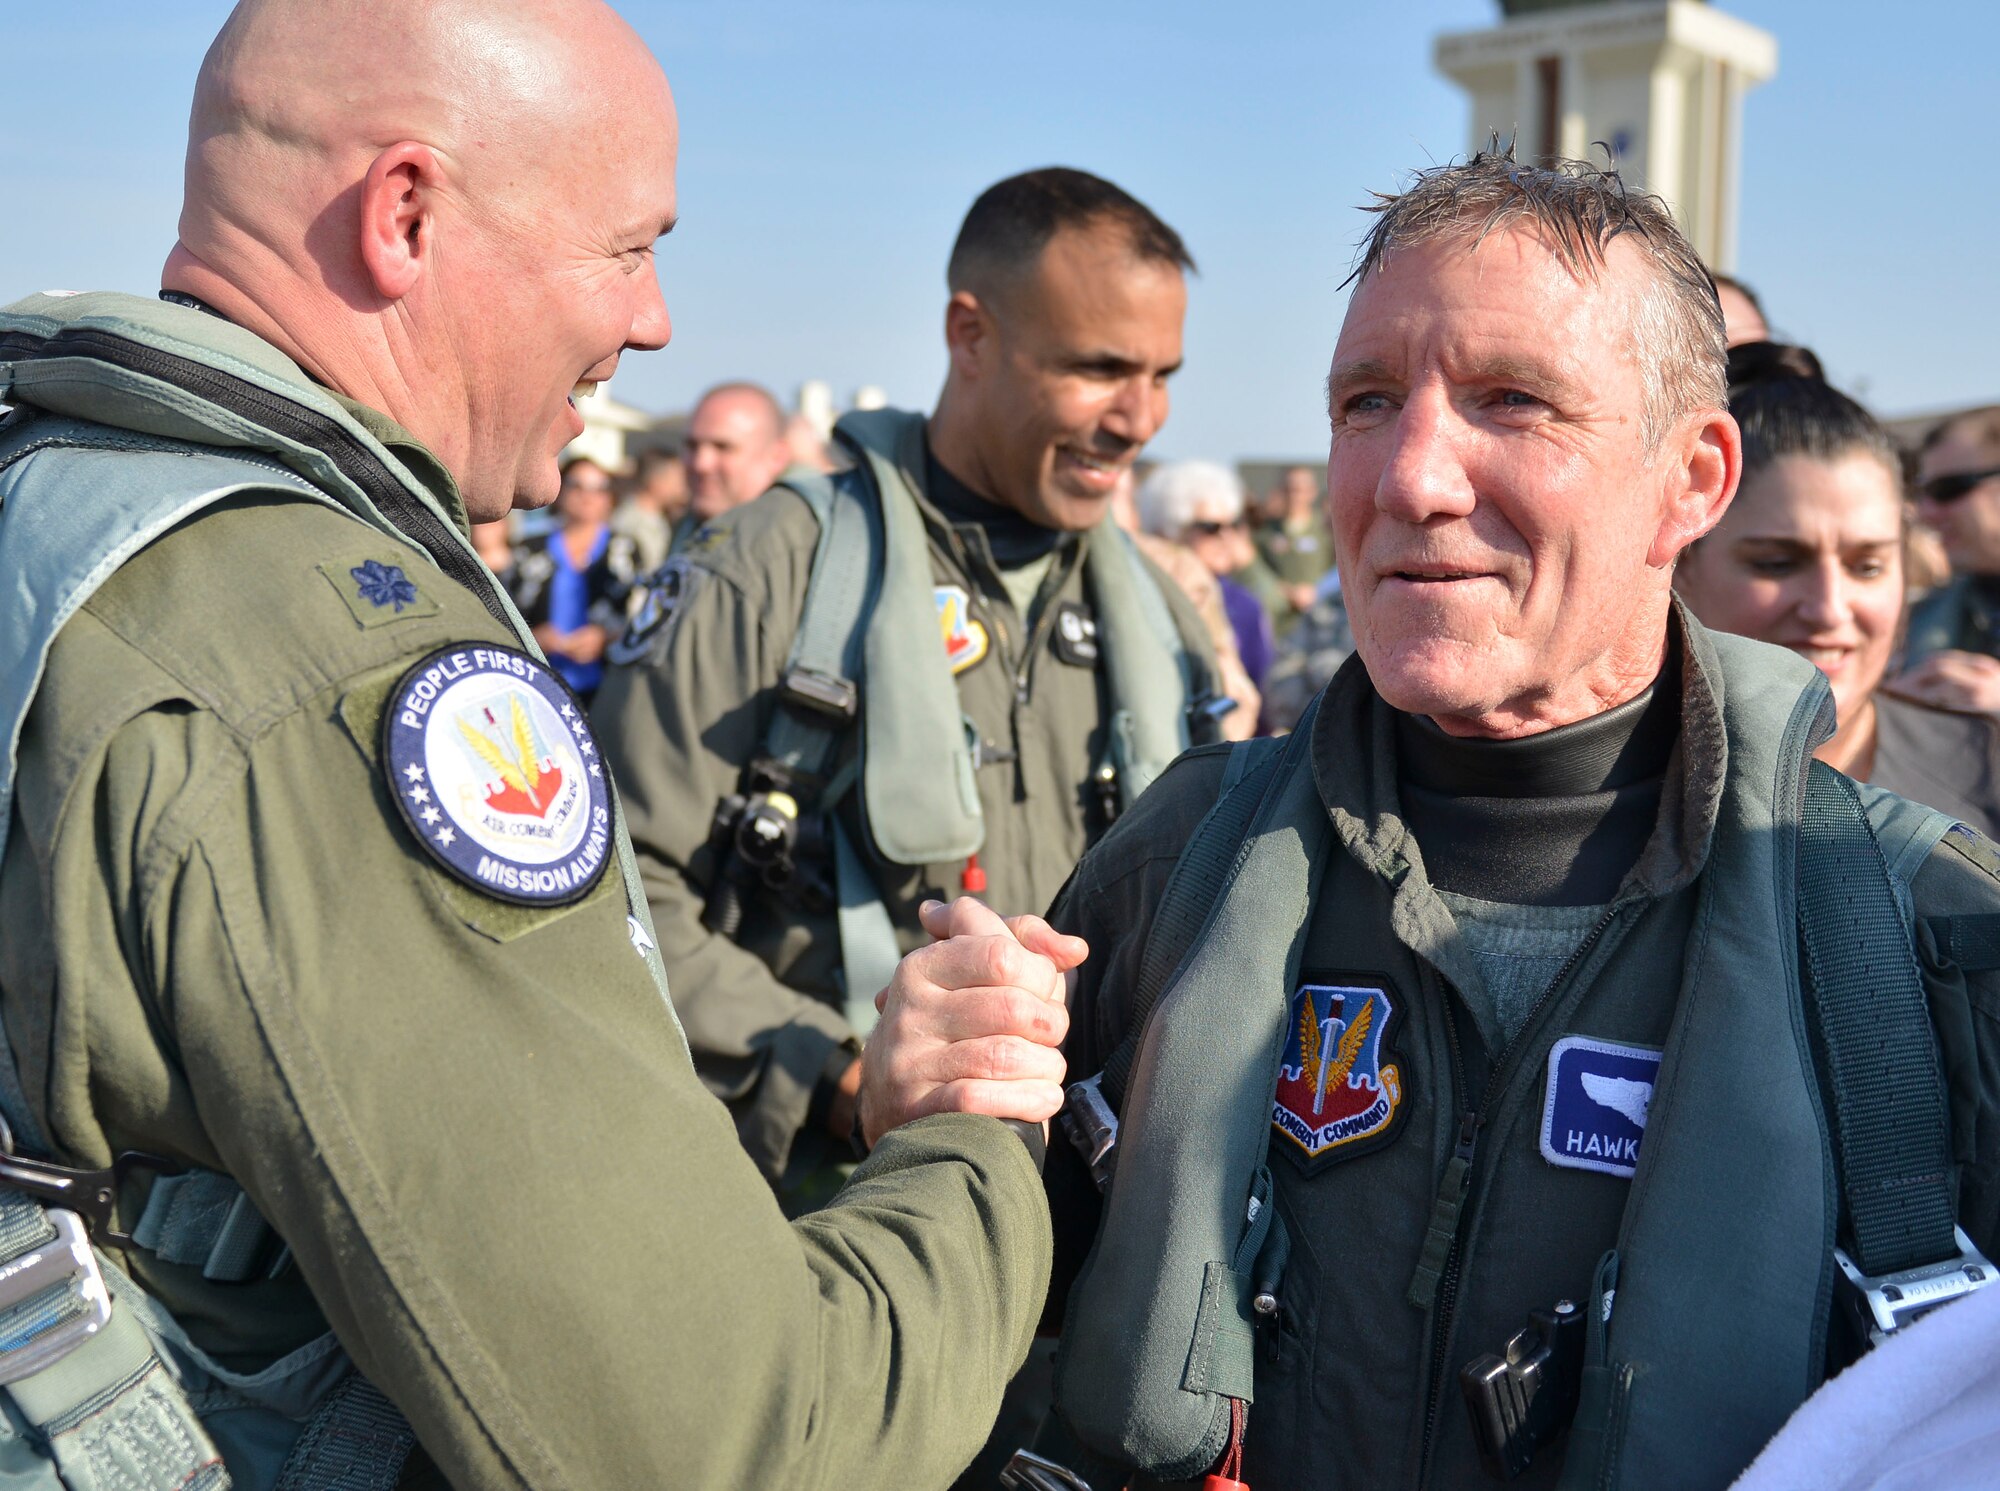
1618 748
1012 539
1555 819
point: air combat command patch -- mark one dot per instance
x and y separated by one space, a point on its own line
1337 1096
493 766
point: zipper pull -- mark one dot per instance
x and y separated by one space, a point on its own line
1444 1216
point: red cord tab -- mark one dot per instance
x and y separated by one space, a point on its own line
973 881
1223 1477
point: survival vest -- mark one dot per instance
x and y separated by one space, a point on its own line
1806 888
133 416
866 656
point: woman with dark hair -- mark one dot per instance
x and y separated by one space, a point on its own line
1810 556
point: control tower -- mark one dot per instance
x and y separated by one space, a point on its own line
1661 82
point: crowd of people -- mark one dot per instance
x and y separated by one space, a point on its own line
964 953
1879 563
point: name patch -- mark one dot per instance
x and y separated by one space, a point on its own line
494 769
1594 1114
1336 1094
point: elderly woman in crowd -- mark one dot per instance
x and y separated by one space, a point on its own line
1810 556
1200 504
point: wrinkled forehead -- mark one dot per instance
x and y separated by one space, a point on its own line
1503 301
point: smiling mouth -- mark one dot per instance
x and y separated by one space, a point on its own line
581 389
1435 577
1097 465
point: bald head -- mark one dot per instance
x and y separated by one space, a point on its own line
442 208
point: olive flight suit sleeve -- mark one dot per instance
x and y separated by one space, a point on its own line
678 724
478 1130
1961 879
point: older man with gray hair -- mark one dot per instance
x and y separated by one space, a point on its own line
1528 1062
1200 505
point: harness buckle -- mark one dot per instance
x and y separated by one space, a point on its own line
823 693
64 1259
1882 1304
1092 1127
1028 1471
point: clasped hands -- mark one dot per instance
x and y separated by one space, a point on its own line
972 1023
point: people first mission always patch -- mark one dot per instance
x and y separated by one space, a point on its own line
494 769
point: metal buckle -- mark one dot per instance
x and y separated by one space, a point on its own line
823 693
64 1259
1092 1127
1882 1304
1028 1471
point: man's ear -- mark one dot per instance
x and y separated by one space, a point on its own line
1703 462
969 333
397 219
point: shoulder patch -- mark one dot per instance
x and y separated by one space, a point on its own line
1973 846
965 640
1338 1094
493 767
377 591
1594 1112
660 597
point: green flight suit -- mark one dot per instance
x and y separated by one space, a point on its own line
473 1122
678 726
1354 1381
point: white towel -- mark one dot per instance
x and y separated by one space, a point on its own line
1921 1412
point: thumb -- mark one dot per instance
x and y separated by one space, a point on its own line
1060 948
968 916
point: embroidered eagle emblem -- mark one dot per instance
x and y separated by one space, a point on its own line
1347 1036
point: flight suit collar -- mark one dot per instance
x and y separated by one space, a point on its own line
414 455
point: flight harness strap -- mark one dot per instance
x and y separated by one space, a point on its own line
820 701
357 1440
1904 1253
1192 891
1092 1106
1891 1135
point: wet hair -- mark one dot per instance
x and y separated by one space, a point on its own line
1012 222
1576 210
1785 406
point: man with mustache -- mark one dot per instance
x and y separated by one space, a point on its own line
1010 675
1476 1012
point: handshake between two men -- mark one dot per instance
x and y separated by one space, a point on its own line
973 1023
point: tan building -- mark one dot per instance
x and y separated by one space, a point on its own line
1661 82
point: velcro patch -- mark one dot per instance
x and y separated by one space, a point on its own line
965 640
377 591
1337 1093
1594 1113
660 601
494 769
1075 635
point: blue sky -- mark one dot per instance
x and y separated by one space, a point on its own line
829 150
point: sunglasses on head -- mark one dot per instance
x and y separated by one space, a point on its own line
1943 489
1210 530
